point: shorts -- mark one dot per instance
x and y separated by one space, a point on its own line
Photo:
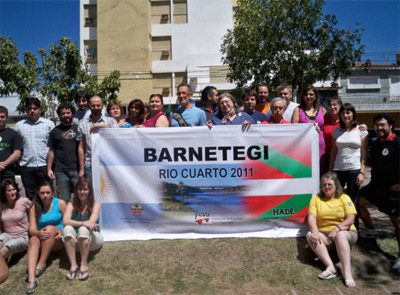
94 237
352 239
387 201
15 245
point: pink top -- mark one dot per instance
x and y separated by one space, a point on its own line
152 121
15 220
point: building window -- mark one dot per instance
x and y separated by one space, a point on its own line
218 74
363 83
180 11
90 49
162 84
394 88
161 48
160 12
90 15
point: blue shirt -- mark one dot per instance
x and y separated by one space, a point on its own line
258 117
238 120
193 116
53 217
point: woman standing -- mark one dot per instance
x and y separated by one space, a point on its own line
330 219
156 118
114 110
310 111
228 112
331 122
14 219
45 224
349 151
136 113
80 220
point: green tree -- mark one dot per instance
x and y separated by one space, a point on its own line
288 41
16 77
59 75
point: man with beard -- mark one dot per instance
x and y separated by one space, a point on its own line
384 189
209 97
249 101
10 147
63 151
81 100
34 131
262 105
88 126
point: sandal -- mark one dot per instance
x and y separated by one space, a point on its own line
327 275
31 290
81 273
72 274
350 283
39 271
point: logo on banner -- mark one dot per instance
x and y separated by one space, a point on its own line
201 217
137 209
105 184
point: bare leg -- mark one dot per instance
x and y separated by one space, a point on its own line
343 250
84 246
69 244
33 256
322 252
364 213
49 245
5 252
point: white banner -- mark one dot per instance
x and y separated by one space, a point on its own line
169 183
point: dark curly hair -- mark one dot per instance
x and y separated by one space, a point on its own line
39 206
4 184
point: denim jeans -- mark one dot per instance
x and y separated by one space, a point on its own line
66 182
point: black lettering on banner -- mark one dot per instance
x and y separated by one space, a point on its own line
150 155
238 153
179 152
210 151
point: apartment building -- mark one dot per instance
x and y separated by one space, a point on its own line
156 44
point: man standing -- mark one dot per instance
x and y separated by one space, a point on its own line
35 132
384 189
209 97
187 114
10 147
88 126
81 100
249 101
262 105
63 151
277 110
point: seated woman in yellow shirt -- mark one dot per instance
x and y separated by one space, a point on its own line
331 221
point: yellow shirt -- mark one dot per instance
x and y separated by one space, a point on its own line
330 213
261 109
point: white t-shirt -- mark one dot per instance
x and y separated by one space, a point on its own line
348 146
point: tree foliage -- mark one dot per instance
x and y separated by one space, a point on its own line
288 41
59 75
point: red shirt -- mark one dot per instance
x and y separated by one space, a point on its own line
270 121
328 129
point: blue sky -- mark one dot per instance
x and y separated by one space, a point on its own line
34 24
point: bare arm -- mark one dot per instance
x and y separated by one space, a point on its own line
296 115
162 122
364 151
81 157
312 224
14 157
50 159
344 225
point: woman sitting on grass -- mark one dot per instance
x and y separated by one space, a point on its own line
330 219
13 219
81 227
45 224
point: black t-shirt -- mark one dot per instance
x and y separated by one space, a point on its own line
62 140
10 141
385 159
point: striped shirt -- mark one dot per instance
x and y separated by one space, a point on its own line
35 136
85 134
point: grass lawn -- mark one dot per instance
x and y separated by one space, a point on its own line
214 266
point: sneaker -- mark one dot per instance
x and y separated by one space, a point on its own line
396 265
369 233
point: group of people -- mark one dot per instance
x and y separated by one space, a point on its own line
63 153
